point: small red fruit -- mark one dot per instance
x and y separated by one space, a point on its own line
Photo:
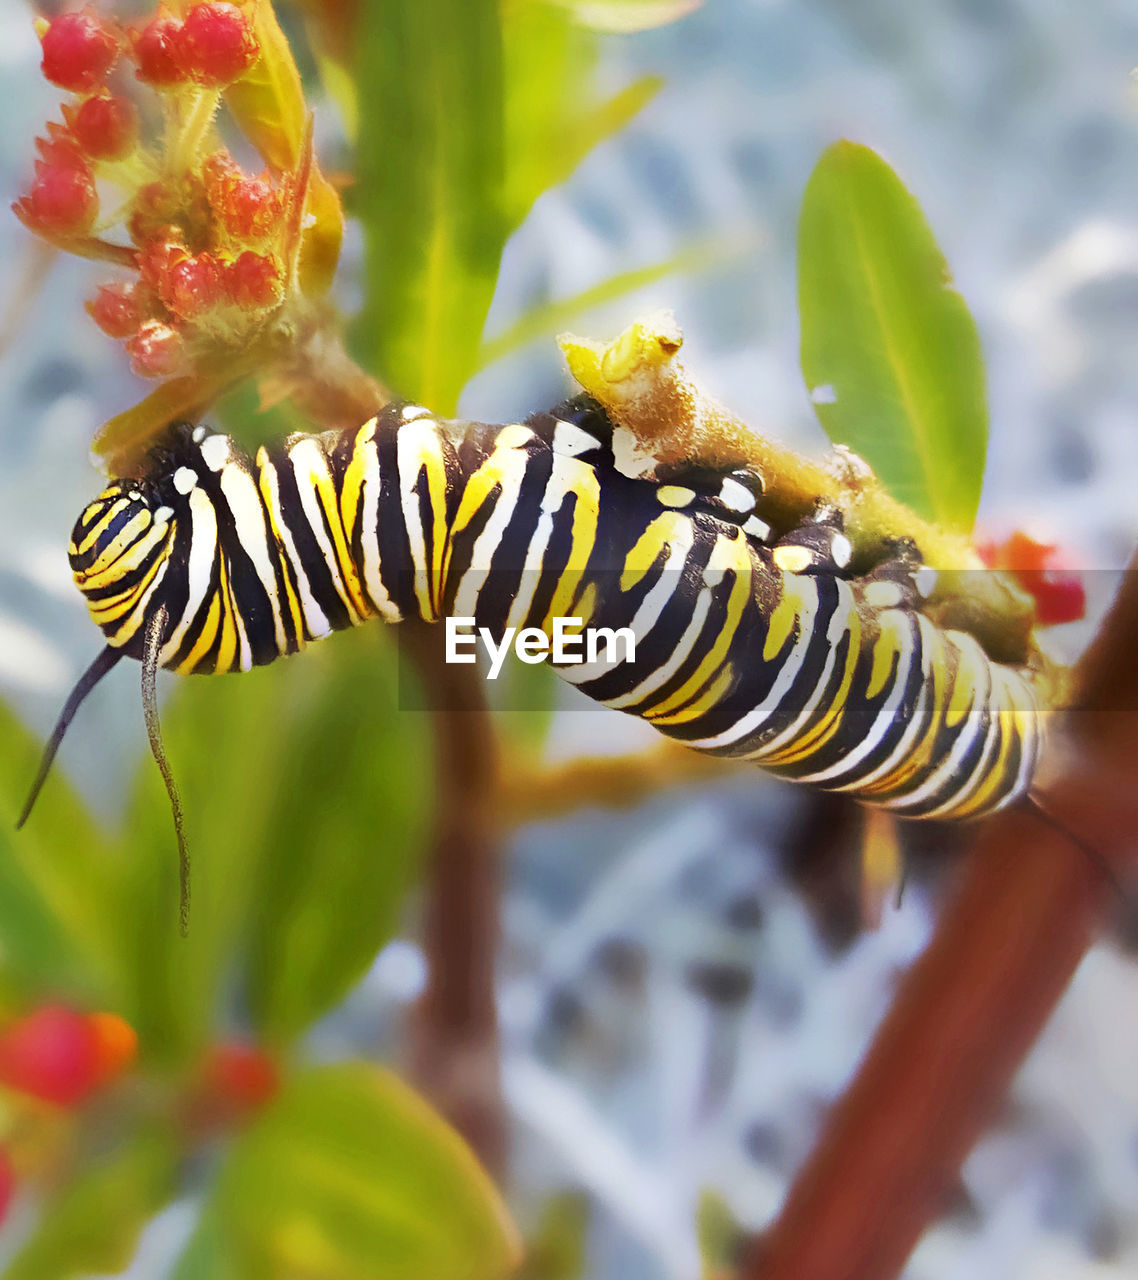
116 1044
191 286
7 1183
217 44
157 259
61 148
105 127
62 201
240 1074
52 1054
253 282
78 51
1043 572
156 350
156 50
115 310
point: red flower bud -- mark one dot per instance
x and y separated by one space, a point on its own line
52 1054
156 350
156 259
1044 573
253 282
217 44
105 127
249 207
62 201
116 1044
240 1074
115 310
156 50
191 286
61 148
78 51
7 1183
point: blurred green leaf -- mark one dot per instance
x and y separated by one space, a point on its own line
94 1223
227 763
59 892
720 1236
548 131
343 838
620 17
890 351
557 1250
304 791
429 190
349 1175
208 1257
542 321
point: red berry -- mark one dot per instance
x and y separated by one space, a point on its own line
51 1054
240 1074
7 1183
253 282
250 208
156 50
191 285
62 201
156 350
217 43
116 1043
115 310
78 51
105 127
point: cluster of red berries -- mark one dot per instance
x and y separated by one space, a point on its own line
60 1056
1043 571
206 239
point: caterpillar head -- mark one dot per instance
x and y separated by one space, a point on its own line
120 552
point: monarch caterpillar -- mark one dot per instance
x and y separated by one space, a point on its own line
750 642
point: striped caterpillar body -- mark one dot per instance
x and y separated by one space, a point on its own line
749 643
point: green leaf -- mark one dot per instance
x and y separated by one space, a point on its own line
429 190
94 1223
890 351
548 131
344 834
208 1256
542 321
557 1249
59 892
349 1175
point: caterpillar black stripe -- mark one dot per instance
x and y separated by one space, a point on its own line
749 643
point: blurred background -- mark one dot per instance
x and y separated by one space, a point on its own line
683 983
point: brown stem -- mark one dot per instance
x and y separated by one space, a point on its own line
454 1043
970 1008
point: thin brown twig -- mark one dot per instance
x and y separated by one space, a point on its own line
454 1043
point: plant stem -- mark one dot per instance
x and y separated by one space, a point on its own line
455 1028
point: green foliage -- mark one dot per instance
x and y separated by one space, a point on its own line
93 1224
304 838
890 351
348 1175
429 191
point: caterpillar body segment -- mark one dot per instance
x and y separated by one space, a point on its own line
749 642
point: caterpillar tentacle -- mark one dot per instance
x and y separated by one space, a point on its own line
752 644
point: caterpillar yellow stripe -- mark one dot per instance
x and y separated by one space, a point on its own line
764 645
